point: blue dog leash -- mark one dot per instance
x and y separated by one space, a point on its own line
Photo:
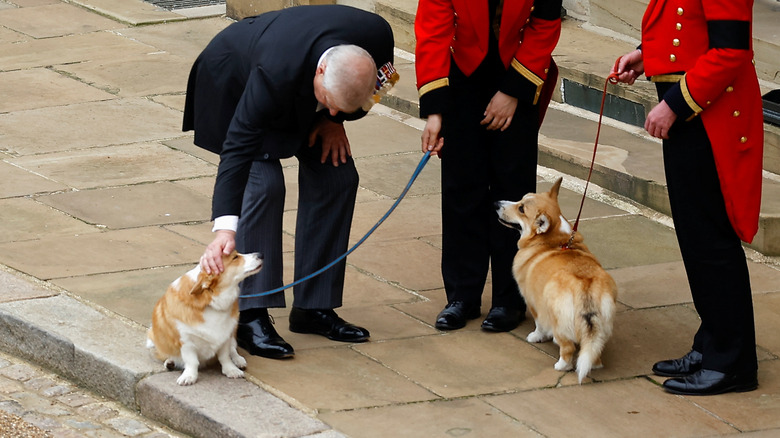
423 162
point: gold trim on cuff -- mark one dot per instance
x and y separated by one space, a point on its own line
528 74
688 98
430 86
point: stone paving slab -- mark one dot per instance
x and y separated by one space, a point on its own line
390 260
131 294
54 20
24 219
185 38
622 241
387 137
41 87
172 101
631 408
336 378
767 311
413 217
31 3
643 337
132 121
133 206
69 49
18 182
459 417
135 12
94 253
8 36
389 179
661 284
185 144
201 232
497 362
146 75
665 284
751 410
115 165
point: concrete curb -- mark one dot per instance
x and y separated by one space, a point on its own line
103 353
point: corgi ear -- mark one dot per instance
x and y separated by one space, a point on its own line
197 288
542 224
204 282
556 188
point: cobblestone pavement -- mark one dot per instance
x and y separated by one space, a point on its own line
36 403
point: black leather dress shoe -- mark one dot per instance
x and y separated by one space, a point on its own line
503 319
455 315
709 382
256 335
684 366
325 322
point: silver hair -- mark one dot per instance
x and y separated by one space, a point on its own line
350 84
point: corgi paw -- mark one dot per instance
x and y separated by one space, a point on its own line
149 343
239 361
562 365
169 364
233 373
187 378
536 336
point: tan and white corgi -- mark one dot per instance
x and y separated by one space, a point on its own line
569 294
195 320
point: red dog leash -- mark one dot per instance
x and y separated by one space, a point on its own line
611 79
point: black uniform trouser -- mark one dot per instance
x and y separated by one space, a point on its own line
480 167
712 253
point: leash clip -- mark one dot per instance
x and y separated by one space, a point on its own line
567 246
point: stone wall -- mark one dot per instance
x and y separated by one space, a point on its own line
238 9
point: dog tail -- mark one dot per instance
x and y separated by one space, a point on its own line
595 327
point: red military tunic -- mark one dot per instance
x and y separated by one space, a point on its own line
458 29
706 45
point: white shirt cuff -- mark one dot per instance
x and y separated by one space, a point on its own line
228 222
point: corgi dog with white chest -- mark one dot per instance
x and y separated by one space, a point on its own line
569 294
196 319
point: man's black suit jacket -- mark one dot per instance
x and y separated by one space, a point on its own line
250 93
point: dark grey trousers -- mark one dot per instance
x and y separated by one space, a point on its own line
326 201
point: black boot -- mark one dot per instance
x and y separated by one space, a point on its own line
682 367
256 335
455 315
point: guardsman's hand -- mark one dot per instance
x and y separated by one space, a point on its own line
431 139
629 68
659 120
499 112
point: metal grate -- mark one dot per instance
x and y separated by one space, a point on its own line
184 4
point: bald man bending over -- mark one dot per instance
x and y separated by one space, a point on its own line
275 86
